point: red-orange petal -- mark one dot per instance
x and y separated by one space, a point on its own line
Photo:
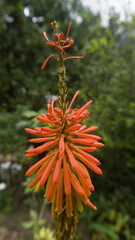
86 155
67 34
48 170
88 136
73 99
87 149
43 119
51 130
71 157
44 33
66 58
61 146
73 128
57 171
70 44
55 45
67 185
43 147
46 61
83 108
60 113
31 131
37 165
91 129
97 144
59 192
39 140
92 166
82 171
75 184
80 140
35 181
51 191
90 204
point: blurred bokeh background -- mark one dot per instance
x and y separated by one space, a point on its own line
106 37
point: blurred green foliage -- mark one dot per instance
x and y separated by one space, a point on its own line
106 75
39 232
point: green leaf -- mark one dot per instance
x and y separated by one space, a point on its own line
29 114
33 214
27 225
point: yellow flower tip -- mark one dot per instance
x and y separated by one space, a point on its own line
37 188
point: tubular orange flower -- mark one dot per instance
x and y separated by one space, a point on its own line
64 155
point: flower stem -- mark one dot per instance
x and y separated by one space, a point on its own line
66 226
62 75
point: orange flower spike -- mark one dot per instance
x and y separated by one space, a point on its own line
62 171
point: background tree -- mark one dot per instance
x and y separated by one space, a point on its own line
106 75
